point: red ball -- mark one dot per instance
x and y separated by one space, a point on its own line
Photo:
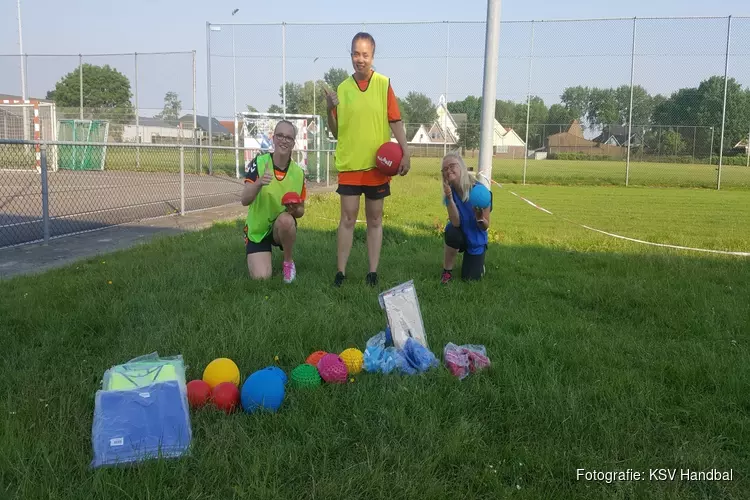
388 158
198 393
226 397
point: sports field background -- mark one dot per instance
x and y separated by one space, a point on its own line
606 354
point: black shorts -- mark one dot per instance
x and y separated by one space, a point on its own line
265 245
370 192
472 267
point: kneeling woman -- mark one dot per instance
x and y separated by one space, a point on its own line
467 230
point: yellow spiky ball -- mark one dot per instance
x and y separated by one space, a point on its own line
354 359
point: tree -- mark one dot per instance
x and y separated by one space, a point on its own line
673 143
251 109
334 76
293 97
416 109
576 101
275 108
602 108
468 133
106 94
172 108
643 105
703 107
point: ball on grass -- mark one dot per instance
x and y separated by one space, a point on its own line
198 393
332 369
262 390
221 370
353 359
226 397
278 372
313 358
305 375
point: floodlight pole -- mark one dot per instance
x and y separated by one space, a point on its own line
319 128
489 90
23 74
234 96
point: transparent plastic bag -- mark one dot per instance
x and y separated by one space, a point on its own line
456 360
404 315
419 357
135 425
465 359
141 412
144 371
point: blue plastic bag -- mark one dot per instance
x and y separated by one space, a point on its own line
419 357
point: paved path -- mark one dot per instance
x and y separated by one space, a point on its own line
37 257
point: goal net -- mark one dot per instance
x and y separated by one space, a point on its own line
257 136
86 156
27 121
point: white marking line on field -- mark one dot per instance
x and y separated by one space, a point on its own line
664 245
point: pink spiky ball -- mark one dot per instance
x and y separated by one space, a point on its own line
332 369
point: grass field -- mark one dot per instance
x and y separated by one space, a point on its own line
551 172
606 355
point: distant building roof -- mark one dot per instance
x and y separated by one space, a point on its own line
216 126
148 121
229 125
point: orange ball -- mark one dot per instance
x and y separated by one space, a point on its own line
313 358
226 397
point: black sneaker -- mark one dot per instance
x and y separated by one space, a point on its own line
372 279
339 280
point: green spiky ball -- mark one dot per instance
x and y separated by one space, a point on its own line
305 376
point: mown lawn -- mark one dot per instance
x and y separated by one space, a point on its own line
606 355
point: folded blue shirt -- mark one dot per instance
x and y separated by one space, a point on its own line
133 425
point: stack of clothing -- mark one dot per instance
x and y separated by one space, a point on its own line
141 412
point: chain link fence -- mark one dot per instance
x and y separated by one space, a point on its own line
653 101
139 97
80 187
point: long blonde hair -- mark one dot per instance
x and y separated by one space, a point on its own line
465 179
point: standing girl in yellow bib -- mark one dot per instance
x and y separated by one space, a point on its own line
362 113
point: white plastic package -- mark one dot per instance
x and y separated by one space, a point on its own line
401 307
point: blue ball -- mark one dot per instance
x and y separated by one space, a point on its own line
278 371
480 196
262 390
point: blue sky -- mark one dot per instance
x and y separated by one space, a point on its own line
671 54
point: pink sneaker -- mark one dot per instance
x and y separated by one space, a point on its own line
290 272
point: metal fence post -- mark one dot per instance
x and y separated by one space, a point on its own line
283 65
195 117
528 105
208 77
630 117
237 147
45 194
447 57
182 180
80 84
137 120
748 150
724 112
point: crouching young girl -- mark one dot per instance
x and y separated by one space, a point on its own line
466 231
